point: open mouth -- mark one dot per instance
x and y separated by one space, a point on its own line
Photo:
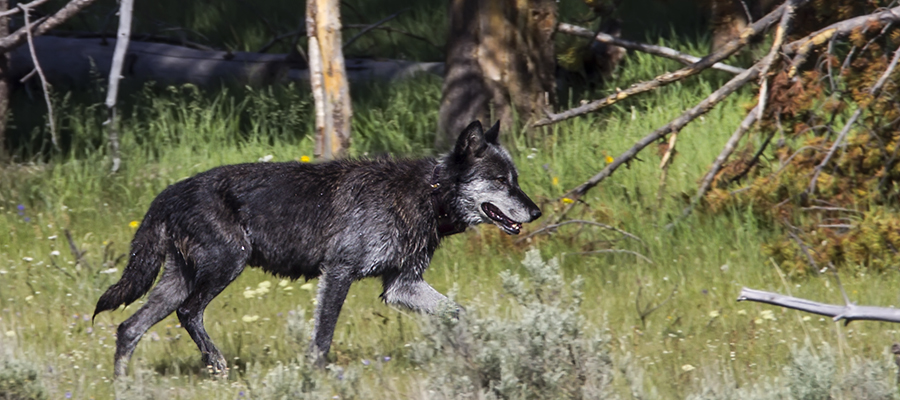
507 225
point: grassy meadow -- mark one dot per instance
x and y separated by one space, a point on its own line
699 343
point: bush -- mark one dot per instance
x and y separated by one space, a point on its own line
19 379
546 352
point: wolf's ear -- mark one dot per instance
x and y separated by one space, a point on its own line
493 134
471 140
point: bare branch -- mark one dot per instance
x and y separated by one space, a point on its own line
874 92
673 126
780 34
670 77
373 26
801 48
656 50
729 148
553 227
848 313
115 74
19 7
603 251
37 67
47 23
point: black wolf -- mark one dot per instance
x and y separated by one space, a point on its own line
339 221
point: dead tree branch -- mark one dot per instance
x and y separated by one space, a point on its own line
368 28
781 33
19 7
848 312
115 74
43 25
802 47
670 77
37 67
605 251
729 148
656 50
873 92
551 228
673 126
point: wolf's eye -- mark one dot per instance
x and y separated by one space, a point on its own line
502 179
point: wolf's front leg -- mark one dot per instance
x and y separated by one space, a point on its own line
333 287
416 294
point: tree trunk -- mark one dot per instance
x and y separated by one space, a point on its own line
4 85
328 78
500 55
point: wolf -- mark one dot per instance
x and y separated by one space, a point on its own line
338 221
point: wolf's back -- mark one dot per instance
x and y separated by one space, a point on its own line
147 256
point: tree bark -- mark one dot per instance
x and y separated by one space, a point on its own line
4 84
500 55
328 78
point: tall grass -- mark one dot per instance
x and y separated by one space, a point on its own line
701 335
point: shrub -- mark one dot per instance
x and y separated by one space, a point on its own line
19 379
546 352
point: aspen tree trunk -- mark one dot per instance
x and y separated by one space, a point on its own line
500 59
328 78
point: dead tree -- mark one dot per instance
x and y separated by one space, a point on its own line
500 58
115 74
328 78
10 41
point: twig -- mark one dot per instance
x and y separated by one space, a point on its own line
602 251
42 25
805 251
729 148
395 30
656 50
664 166
781 33
670 77
874 92
115 74
753 160
19 7
648 309
73 248
673 126
848 312
802 47
373 26
40 72
550 228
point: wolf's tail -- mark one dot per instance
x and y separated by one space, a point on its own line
147 256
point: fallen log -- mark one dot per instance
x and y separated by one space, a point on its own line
72 61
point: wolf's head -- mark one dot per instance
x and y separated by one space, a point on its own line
486 182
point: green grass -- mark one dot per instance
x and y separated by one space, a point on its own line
700 336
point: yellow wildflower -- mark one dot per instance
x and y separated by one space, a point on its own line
609 160
133 224
567 200
304 158
555 181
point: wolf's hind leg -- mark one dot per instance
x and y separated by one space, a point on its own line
171 290
190 312
333 287
416 294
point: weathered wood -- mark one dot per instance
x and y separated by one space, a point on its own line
329 79
673 126
849 312
45 88
665 79
19 37
656 50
